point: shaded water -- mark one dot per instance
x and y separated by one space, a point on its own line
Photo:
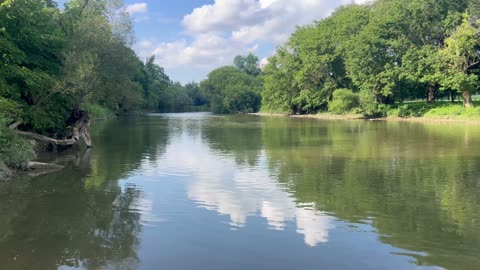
197 191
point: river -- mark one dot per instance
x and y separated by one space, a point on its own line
199 191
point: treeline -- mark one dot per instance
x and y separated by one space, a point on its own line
60 63
365 56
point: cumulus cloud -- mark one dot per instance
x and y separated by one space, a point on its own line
137 8
217 32
206 50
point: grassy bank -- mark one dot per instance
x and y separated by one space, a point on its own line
437 110
413 111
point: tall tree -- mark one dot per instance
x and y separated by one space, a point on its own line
249 64
461 59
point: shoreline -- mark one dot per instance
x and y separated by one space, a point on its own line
361 117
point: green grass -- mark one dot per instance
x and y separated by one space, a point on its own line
443 110
98 112
273 111
15 151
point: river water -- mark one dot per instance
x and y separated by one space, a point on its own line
198 191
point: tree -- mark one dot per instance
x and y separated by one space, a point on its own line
30 45
423 65
195 93
175 99
223 83
302 75
249 64
461 61
279 88
154 82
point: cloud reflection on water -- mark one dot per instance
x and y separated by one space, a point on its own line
241 191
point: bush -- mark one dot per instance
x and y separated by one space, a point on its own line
240 99
15 151
97 112
344 101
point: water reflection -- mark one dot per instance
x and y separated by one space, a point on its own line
81 217
242 191
236 192
417 184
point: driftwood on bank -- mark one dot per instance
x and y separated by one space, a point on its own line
79 124
47 139
78 130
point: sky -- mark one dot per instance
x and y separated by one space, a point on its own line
190 38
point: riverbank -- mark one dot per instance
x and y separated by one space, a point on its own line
417 111
327 116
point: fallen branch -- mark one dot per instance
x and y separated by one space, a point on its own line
15 125
43 166
46 139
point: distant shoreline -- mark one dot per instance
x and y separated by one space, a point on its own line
326 116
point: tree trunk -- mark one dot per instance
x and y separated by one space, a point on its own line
79 124
467 99
452 96
431 93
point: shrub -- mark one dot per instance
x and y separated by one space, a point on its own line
240 99
344 101
97 112
14 150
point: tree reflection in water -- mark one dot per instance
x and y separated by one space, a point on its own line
81 217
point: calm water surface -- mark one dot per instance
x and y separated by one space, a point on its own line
197 191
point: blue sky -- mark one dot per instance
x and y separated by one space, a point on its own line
189 38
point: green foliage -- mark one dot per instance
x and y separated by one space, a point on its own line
97 112
249 64
460 58
14 150
194 92
175 99
389 51
344 101
454 112
443 110
241 99
154 84
279 88
58 61
30 52
231 90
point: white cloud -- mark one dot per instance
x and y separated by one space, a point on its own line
263 63
219 31
206 51
137 8
251 20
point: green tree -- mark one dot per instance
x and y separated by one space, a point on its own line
248 63
195 93
225 84
461 61
30 45
302 75
154 82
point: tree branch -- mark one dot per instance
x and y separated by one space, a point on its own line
47 139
